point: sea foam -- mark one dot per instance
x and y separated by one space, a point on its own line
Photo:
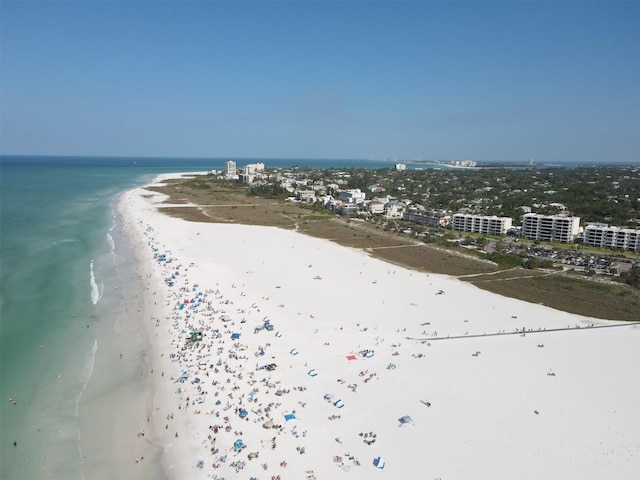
87 372
112 244
96 290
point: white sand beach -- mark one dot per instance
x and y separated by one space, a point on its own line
317 361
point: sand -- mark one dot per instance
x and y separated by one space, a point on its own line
373 366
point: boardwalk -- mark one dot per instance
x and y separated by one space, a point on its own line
522 332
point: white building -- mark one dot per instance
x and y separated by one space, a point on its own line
394 209
230 169
432 218
550 228
401 167
375 207
253 168
305 195
354 196
251 172
600 235
492 225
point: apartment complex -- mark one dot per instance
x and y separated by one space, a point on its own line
601 235
550 228
353 196
491 225
432 218
251 172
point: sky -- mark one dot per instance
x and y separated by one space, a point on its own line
438 80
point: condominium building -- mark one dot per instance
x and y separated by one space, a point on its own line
230 169
354 196
601 235
491 225
305 195
375 207
253 168
550 228
416 214
432 218
251 172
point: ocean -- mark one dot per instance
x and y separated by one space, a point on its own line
64 265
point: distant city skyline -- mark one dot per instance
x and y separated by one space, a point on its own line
483 81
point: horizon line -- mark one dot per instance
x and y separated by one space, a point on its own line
381 160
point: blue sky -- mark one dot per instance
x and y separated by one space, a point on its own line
553 81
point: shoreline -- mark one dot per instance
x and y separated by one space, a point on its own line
488 400
120 394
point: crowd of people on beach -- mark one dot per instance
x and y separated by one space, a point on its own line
255 387
216 376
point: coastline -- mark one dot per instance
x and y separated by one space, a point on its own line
119 397
480 406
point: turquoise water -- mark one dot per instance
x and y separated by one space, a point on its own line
55 260
56 287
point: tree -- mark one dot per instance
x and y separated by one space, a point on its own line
534 262
632 276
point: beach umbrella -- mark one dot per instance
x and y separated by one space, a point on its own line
378 462
406 419
289 416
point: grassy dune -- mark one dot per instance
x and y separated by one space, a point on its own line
200 200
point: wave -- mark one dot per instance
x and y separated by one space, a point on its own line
96 290
65 240
112 244
114 223
87 372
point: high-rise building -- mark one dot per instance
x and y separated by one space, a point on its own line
550 228
230 169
